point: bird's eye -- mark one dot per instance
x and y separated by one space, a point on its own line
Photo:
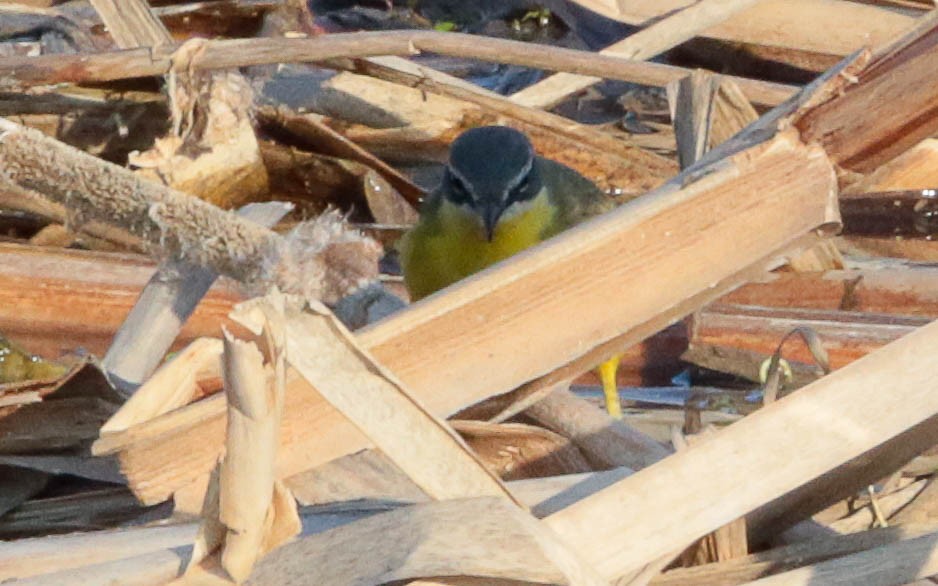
458 192
522 191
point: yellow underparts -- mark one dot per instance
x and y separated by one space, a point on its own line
453 245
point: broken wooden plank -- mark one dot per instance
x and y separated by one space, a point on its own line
484 537
131 23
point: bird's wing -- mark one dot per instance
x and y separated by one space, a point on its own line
576 197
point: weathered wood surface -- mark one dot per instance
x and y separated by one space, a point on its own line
85 298
825 26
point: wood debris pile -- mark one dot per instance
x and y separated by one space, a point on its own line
773 244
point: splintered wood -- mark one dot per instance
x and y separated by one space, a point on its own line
247 511
282 446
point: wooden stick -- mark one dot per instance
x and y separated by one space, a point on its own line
14 197
190 229
645 44
605 442
18 73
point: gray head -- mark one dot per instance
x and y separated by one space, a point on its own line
489 169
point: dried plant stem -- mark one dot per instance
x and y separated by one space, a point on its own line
164 305
183 226
20 72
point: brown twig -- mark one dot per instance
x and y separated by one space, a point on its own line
21 72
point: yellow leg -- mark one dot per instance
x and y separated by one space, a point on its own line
607 373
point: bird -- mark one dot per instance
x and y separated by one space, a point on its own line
497 197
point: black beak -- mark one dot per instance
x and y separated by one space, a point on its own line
490 216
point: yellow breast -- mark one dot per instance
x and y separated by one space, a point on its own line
452 245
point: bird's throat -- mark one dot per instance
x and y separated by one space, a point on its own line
453 245
520 226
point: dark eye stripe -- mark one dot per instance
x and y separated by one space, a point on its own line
458 191
527 188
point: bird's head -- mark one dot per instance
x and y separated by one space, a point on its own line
491 173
